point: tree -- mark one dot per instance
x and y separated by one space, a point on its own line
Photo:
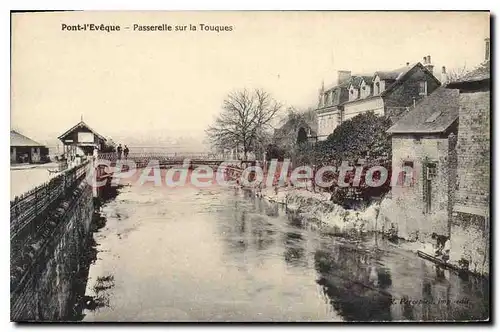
244 122
455 74
294 130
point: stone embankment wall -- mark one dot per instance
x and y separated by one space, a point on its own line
49 229
469 240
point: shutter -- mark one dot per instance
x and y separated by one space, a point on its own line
401 179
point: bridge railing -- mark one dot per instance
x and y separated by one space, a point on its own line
162 156
25 208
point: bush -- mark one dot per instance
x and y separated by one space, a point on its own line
275 152
363 138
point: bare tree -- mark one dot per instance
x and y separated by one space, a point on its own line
455 74
244 122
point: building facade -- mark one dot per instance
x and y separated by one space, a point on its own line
81 140
445 143
25 150
329 111
470 224
424 162
389 93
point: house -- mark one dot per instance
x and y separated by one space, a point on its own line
470 224
424 159
80 140
329 105
389 93
25 150
445 144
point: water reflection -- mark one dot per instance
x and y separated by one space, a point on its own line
367 282
209 255
356 286
295 250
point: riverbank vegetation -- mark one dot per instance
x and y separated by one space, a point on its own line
360 142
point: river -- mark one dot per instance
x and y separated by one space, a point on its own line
218 254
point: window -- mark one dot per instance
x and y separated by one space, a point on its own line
428 180
377 88
422 88
407 178
431 171
35 150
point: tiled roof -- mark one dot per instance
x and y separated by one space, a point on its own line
356 81
17 139
367 78
395 78
393 74
337 94
433 114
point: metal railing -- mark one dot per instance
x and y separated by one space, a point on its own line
143 158
25 208
112 156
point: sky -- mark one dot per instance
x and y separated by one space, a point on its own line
153 87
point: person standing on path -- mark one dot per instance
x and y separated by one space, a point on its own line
125 151
119 151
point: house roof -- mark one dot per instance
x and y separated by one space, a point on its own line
367 78
401 75
356 81
344 84
405 74
393 74
79 125
481 73
17 139
394 77
433 114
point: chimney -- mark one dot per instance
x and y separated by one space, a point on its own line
424 62
343 76
487 49
444 76
407 64
428 64
321 93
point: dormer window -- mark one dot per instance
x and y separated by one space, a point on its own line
422 88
